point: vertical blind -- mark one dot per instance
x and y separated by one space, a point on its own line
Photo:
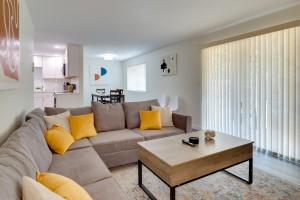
251 89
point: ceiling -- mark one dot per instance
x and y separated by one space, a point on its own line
128 28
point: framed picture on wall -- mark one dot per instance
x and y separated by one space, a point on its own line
9 44
99 75
168 65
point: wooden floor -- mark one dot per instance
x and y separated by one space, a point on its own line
277 167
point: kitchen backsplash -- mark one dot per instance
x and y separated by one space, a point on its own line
50 85
54 85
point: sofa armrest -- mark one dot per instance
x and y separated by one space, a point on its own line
182 122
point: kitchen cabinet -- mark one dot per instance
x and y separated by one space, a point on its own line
52 67
73 60
43 99
38 61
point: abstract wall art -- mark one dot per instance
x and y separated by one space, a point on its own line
168 65
9 44
99 75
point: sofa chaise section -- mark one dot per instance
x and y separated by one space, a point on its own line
82 163
117 147
105 189
84 166
79 144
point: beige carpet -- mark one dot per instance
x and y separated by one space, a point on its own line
219 186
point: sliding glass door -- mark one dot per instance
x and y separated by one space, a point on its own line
251 89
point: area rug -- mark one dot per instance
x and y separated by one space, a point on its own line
219 186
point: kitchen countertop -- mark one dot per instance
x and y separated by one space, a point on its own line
66 93
57 93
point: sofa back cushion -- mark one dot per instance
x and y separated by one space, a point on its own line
74 111
54 111
16 161
38 114
81 111
34 139
108 117
132 109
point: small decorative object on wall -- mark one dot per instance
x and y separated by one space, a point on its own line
9 44
98 75
168 65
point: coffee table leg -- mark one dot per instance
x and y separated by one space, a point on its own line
140 181
140 173
172 193
250 180
250 175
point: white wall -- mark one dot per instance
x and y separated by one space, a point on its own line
14 104
115 74
187 83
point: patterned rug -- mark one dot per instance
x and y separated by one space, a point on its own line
219 186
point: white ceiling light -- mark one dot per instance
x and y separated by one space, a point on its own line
58 47
108 56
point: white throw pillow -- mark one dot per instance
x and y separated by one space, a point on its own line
33 190
61 120
165 115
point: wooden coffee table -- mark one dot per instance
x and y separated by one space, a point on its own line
177 164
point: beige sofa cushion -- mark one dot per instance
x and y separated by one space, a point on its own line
165 115
115 141
79 144
61 120
108 117
107 189
154 134
132 109
33 190
74 111
84 166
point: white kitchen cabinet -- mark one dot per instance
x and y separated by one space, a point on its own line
38 61
48 68
52 67
43 99
73 60
58 63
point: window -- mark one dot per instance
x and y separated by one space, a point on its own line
136 78
251 89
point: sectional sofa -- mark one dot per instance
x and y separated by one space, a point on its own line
88 160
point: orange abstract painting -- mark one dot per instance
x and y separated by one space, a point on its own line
9 40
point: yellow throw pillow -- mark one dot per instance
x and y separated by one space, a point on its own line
58 139
63 186
150 120
82 126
